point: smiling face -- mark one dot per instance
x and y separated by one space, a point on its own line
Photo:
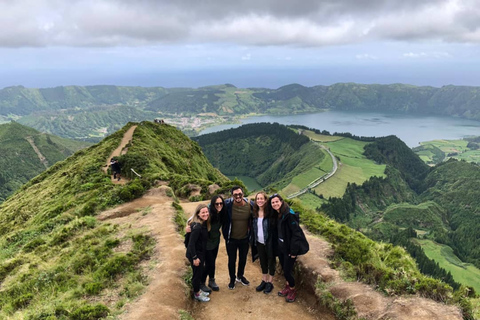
237 195
260 200
218 204
276 203
203 214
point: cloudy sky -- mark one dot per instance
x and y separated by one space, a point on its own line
248 43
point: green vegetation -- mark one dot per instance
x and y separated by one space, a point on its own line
437 151
20 162
354 167
385 266
56 260
91 112
270 153
464 273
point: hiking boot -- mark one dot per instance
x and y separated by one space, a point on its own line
231 285
292 295
204 288
213 285
268 288
243 281
201 297
204 293
261 286
284 291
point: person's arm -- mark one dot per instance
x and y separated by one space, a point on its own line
191 250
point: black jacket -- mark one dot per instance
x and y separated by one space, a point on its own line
197 245
227 219
291 238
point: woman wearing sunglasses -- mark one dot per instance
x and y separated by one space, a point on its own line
217 211
291 242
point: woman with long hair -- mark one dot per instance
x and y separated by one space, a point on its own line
291 242
217 212
263 241
196 249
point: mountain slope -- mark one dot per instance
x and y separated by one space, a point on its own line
271 153
52 245
27 152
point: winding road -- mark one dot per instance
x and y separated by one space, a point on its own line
319 180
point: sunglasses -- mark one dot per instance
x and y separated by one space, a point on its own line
218 203
237 195
274 195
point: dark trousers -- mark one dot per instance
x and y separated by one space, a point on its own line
287 265
197 275
234 245
209 270
267 263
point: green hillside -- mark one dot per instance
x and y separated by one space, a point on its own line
20 161
436 151
56 258
92 112
441 202
270 153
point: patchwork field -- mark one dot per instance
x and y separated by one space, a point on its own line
463 273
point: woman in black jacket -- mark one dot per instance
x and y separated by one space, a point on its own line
197 246
291 242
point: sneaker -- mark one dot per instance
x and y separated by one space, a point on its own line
243 281
231 285
292 295
201 298
204 288
268 288
213 285
261 286
204 293
284 292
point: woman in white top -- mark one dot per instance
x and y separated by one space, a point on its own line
263 242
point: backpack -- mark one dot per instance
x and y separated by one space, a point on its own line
304 246
187 235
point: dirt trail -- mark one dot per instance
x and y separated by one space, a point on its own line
167 292
244 302
40 156
127 137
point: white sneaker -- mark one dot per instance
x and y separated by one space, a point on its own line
204 293
201 298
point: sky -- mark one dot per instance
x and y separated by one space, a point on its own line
247 43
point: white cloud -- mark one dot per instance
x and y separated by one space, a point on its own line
33 23
366 56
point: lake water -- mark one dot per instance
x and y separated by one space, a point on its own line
412 129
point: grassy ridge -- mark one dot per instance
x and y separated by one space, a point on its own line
56 260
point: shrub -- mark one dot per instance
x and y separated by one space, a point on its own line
90 312
93 288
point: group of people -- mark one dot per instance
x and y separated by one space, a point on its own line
267 225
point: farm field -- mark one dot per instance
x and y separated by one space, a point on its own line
456 148
354 167
463 273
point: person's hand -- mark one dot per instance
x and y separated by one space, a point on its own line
293 257
196 262
188 229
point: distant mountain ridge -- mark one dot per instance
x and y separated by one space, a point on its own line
68 102
25 153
